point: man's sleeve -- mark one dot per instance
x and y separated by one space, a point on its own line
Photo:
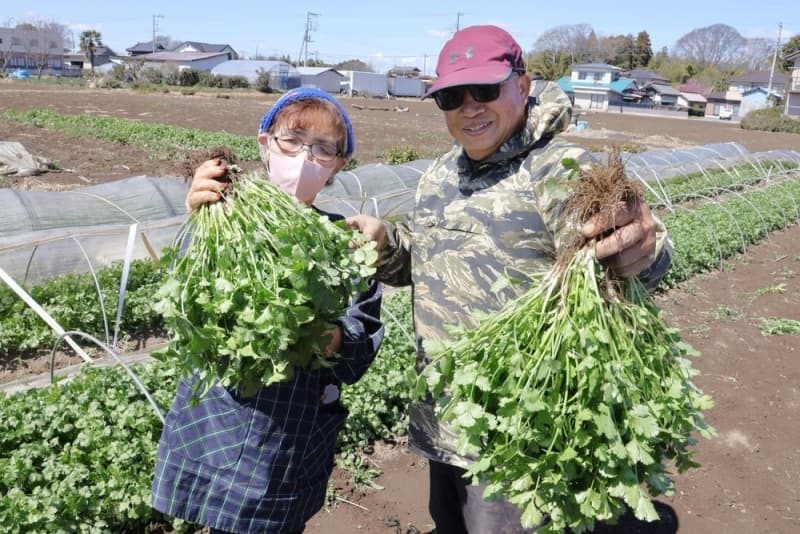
394 260
362 334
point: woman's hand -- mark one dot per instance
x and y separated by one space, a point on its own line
631 246
208 184
335 344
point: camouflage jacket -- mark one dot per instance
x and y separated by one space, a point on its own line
475 222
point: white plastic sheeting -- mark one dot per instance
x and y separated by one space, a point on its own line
44 234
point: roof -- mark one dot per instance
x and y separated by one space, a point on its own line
619 86
662 89
728 96
773 92
760 77
794 55
311 71
645 75
204 47
694 97
145 47
180 56
603 66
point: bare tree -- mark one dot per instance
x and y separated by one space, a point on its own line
574 40
757 53
7 48
49 49
718 44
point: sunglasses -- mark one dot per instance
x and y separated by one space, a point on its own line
452 97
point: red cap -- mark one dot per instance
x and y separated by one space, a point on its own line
477 55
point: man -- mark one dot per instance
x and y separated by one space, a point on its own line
489 208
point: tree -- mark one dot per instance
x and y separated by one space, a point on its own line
791 46
572 40
642 50
718 44
618 50
50 37
90 40
757 54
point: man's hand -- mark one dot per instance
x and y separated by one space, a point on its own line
631 247
208 184
372 228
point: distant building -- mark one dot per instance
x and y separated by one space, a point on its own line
792 105
147 47
596 85
324 78
282 76
194 46
37 50
404 71
184 60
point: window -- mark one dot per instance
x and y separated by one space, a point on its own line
53 45
34 43
581 75
16 41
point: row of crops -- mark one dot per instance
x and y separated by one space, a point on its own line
79 456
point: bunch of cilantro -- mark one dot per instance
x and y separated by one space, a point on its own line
262 279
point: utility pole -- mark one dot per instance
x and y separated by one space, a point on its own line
458 20
774 59
306 38
155 29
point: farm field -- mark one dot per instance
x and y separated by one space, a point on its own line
750 475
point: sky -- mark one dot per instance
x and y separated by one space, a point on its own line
388 33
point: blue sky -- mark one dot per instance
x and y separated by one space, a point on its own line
384 34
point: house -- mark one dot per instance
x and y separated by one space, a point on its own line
662 95
596 86
758 98
282 75
31 48
644 77
403 71
140 49
102 56
205 61
695 103
720 104
792 104
326 78
761 78
194 46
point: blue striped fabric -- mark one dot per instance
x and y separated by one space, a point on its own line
262 463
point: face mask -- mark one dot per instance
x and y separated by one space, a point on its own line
298 175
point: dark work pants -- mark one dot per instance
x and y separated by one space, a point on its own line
457 507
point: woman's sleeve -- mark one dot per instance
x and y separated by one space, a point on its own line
362 334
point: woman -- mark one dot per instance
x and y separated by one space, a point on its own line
262 463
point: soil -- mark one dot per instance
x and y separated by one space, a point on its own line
749 479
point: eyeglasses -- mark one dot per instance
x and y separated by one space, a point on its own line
292 146
452 97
